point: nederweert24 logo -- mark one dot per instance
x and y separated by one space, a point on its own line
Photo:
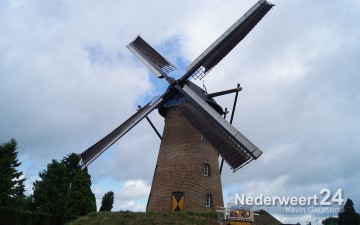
296 204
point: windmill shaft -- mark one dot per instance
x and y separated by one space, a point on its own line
153 126
222 159
216 94
221 165
231 118
234 105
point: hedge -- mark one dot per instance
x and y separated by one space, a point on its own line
14 217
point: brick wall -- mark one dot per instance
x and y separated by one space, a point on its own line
179 168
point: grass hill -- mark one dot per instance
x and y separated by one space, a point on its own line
180 218
148 218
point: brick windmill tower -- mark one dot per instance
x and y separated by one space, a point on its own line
187 171
187 175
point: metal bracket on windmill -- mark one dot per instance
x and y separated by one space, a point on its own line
236 90
152 125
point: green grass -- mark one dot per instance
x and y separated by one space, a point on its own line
149 218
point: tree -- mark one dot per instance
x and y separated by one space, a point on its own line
347 215
12 186
50 192
64 188
107 201
81 200
330 221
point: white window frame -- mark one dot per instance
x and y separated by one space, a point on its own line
206 170
207 200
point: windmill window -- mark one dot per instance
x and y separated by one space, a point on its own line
206 169
208 200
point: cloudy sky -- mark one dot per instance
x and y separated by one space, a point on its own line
67 79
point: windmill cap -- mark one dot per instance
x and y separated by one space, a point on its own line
180 99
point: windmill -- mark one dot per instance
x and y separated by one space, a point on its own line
186 176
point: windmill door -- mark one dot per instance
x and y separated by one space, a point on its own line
178 201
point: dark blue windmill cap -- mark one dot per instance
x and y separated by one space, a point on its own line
179 99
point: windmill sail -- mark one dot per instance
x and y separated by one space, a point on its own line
150 57
97 149
234 147
226 42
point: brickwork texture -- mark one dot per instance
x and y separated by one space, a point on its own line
182 155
